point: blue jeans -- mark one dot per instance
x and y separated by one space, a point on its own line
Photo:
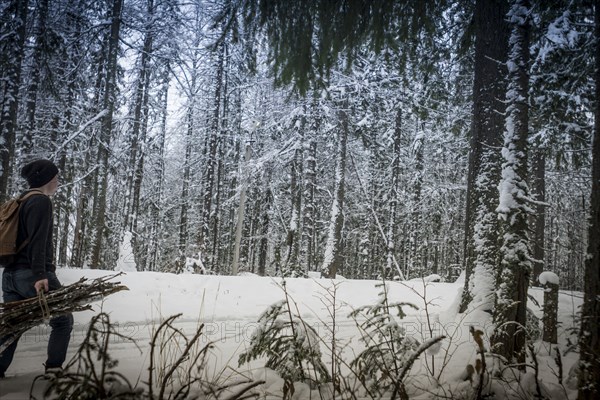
18 285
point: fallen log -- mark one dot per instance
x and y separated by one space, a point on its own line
19 316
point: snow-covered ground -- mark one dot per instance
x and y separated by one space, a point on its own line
230 306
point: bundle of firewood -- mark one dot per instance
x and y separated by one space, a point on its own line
19 316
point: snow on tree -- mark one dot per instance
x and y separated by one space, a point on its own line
510 309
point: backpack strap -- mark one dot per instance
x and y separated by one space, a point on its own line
28 194
20 200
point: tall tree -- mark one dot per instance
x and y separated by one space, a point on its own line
139 122
538 190
294 234
394 192
159 144
559 122
13 28
310 189
481 253
40 37
209 179
332 261
515 204
106 131
589 338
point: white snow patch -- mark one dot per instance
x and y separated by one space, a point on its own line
126 260
548 277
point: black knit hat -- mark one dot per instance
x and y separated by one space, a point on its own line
39 172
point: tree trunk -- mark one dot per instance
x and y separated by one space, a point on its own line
416 260
80 237
139 123
538 190
211 157
221 172
34 78
185 185
491 40
310 188
241 208
106 132
264 224
333 251
510 310
14 48
395 178
65 124
550 316
589 338
153 248
294 233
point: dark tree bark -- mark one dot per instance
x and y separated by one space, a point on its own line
294 233
221 169
185 185
140 122
394 193
34 78
550 317
310 189
510 309
155 213
265 221
538 190
589 339
333 251
416 264
106 133
209 178
13 49
487 125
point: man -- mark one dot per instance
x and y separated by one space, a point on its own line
33 270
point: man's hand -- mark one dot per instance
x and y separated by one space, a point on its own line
41 285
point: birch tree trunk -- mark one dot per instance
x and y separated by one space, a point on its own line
510 307
13 47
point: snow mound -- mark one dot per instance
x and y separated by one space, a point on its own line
548 277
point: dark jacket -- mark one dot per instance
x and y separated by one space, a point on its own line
35 224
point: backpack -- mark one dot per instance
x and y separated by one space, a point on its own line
9 227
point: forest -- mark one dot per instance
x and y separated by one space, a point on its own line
371 140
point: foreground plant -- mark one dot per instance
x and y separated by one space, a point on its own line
177 363
290 346
389 353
